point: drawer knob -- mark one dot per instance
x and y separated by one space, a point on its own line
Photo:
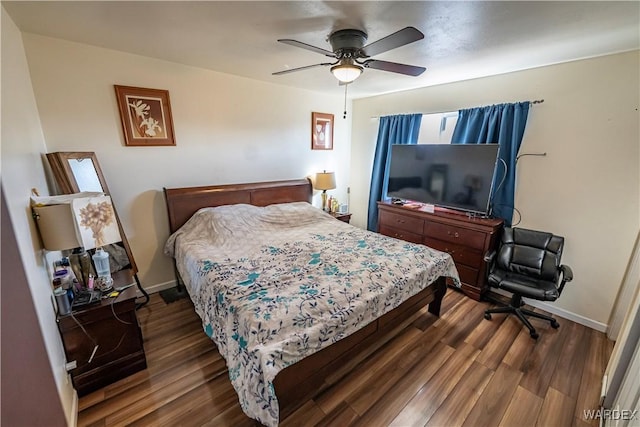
455 234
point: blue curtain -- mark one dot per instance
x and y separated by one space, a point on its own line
503 124
400 129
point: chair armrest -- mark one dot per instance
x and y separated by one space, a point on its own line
567 276
567 273
489 256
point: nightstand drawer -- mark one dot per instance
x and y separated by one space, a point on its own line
400 234
450 233
461 254
402 222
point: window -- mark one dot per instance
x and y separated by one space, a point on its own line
437 128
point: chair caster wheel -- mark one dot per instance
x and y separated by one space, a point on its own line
534 335
555 325
487 316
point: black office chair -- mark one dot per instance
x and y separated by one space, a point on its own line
527 264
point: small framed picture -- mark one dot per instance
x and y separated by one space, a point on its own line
146 116
321 131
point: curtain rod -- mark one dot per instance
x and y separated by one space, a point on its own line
537 101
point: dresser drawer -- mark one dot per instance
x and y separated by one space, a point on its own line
461 254
402 222
400 234
451 233
466 239
467 275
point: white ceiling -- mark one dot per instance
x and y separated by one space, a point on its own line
463 40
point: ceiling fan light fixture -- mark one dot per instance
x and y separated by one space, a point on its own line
346 72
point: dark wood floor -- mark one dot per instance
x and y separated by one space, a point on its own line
458 369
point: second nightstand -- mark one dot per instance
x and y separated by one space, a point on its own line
344 217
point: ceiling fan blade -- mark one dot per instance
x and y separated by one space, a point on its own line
315 49
291 70
394 67
399 38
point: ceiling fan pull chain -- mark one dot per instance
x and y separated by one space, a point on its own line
344 115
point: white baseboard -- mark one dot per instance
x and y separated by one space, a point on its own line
590 323
158 287
74 410
565 314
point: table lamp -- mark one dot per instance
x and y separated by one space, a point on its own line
325 181
57 227
76 224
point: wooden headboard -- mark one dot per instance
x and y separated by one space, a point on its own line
182 203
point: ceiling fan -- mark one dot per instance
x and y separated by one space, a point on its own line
353 56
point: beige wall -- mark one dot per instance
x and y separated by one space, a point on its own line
22 145
228 130
587 187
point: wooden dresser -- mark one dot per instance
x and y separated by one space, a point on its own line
467 239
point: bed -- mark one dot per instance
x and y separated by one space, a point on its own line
292 297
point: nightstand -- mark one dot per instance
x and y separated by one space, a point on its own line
112 326
344 217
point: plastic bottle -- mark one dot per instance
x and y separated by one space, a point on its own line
101 261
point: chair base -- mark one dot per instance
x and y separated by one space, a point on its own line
514 308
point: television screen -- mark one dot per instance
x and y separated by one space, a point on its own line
458 176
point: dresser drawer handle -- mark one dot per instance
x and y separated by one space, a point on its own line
450 251
455 234
400 221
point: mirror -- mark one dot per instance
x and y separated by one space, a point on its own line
85 174
79 171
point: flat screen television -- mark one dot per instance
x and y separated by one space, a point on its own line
458 176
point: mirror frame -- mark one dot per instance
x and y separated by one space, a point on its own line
67 184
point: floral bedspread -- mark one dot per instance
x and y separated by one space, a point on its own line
276 284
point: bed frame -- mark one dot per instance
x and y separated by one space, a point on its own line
301 381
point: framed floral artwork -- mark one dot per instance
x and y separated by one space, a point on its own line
146 116
321 131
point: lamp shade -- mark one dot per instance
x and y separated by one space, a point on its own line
346 72
78 220
57 227
325 180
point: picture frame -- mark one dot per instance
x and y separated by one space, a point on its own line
321 131
145 115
